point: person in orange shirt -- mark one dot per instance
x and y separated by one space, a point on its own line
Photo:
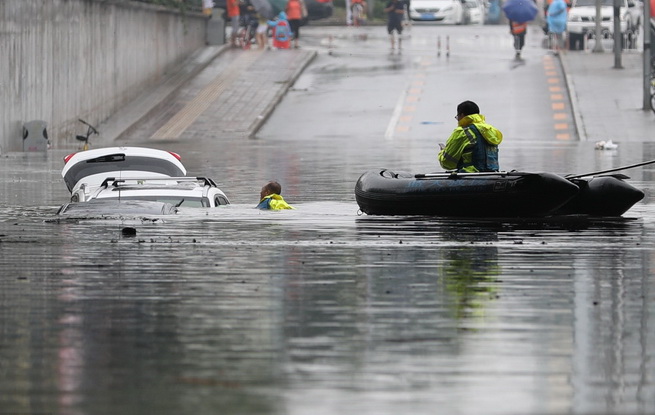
518 30
294 11
233 13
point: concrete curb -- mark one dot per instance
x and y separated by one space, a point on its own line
125 120
263 117
573 99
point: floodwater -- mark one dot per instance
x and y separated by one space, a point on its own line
321 310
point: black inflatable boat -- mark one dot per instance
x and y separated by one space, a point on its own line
495 194
606 195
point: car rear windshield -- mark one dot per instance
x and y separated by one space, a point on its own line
114 164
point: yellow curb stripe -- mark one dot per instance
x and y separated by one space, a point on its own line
558 101
178 123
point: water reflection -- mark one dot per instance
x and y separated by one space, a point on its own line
468 273
320 310
214 309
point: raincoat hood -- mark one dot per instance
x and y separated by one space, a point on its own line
282 16
490 133
557 16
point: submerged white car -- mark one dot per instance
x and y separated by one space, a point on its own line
113 208
136 173
442 11
177 191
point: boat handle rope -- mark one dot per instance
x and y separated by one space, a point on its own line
631 166
455 174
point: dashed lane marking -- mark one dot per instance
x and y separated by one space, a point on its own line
403 115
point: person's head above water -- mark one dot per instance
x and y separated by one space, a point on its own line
270 188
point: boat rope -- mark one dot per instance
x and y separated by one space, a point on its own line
631 166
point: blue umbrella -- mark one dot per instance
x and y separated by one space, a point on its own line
520 10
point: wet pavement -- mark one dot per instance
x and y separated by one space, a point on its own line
320 310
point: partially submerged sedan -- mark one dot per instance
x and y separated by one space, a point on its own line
136 173
178 191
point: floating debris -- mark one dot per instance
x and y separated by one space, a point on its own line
606 145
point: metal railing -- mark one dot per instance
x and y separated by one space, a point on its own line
628 39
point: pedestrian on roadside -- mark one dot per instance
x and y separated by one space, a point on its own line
556 19
281 31
270 198
294 12
260 32
473 145
234 14
358 11
518 31
395 10
547 3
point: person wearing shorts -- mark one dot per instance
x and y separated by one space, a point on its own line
260 33
395 10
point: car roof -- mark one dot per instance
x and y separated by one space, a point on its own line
160 183
195 187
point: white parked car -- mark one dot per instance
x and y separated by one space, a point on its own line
476 11
442 11
582 20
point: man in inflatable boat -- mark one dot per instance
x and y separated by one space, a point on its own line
473 145
270 197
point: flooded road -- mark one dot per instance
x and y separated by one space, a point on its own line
321 310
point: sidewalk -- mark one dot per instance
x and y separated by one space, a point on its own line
607 102
217 92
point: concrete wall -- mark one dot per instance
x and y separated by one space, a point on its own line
61 60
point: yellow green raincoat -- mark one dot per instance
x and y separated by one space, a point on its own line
465 152
274 202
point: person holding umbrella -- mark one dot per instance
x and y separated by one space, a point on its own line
518 31
519 13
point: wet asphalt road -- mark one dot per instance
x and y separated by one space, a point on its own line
320 310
